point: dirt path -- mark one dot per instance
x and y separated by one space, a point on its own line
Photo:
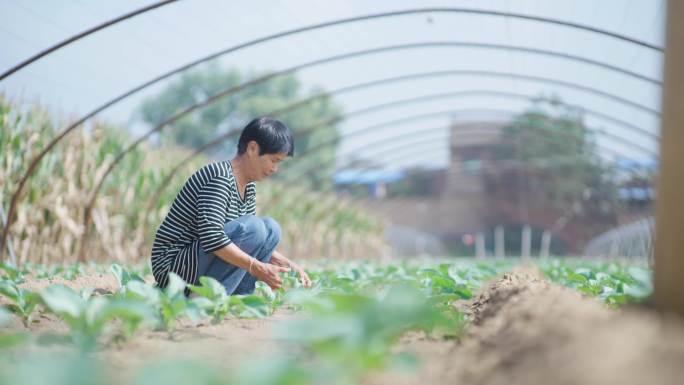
227 345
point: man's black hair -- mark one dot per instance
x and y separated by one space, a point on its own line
271 135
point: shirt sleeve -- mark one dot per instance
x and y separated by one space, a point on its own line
251 208
212 204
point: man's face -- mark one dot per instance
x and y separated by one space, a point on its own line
268 164
263 165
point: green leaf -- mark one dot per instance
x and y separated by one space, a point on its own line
641 275
63 301
176 285
142 291
123 276
9 290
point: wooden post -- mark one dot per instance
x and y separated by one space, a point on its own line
669 246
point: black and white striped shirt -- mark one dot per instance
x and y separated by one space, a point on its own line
208 200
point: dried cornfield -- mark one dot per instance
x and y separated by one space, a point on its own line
50 215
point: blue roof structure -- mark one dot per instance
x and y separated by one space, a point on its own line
367 176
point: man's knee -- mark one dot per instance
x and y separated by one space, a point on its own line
251 227
272 228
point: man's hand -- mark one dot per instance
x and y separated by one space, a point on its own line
303 277
280 260
268 273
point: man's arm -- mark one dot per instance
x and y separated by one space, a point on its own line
212 201
278 259
268 273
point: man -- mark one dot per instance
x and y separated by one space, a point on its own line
212 228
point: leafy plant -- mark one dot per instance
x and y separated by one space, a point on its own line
87 318
24 301
173 304
11 272
123 276
355 332
614 283
212 299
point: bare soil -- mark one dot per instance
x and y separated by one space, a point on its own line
524 330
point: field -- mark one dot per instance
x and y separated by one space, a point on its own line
363 322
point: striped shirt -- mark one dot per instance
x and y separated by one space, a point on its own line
208 200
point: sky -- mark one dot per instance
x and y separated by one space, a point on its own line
78 78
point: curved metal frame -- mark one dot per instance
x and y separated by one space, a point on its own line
131 14
83 34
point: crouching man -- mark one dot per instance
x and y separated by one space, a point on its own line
212 228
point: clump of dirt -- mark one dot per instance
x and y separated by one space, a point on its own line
500 292
528 331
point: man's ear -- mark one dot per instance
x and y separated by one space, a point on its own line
253 148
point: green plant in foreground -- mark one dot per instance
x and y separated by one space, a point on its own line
212 299
11 272
87 317
168 305
353 333
124 276
24 302
173 304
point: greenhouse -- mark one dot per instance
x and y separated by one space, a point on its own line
341 192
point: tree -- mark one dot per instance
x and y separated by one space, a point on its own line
234 111
564 169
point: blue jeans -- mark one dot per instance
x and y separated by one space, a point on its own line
255 236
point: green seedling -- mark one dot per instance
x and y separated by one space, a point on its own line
24 301
173 304
123 276
11 272
250 306
612 282
357 331
87 318
212 300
